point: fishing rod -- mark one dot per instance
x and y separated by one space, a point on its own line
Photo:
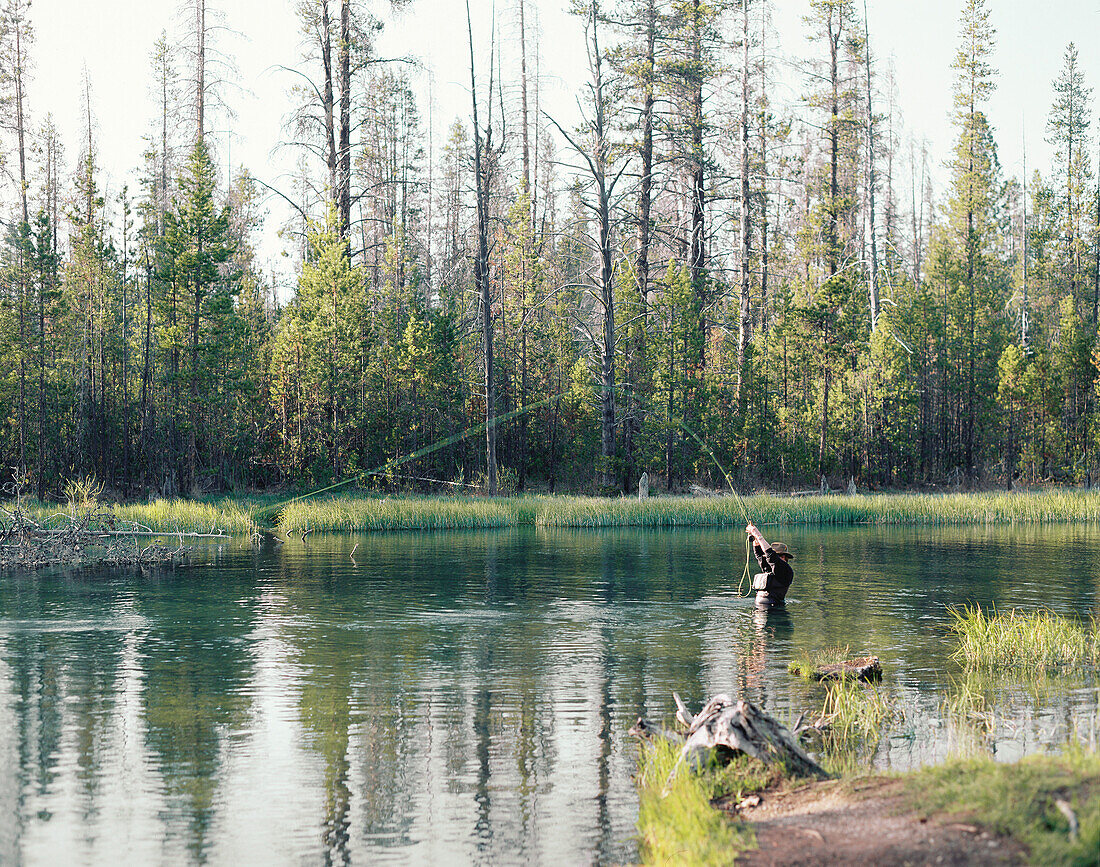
740 505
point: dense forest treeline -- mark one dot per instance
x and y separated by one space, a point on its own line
694 262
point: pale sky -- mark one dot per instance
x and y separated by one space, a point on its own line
113 39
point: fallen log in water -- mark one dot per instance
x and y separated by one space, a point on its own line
861 668
726 726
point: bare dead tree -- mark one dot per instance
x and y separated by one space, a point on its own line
596 152
872 283
482 162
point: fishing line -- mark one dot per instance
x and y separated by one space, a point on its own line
740 505
384 469
387 468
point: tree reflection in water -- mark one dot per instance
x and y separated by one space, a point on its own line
462 696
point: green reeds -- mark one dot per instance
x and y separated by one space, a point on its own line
679 824
363 513
854 716
1039 639
354 513
385 513
218 517
856 712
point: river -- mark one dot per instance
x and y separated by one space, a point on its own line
465 697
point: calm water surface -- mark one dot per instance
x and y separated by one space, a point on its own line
465 697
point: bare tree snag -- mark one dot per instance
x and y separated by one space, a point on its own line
745 319
481 267
873 282
725 726
742 727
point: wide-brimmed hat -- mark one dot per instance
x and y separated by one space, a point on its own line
781 548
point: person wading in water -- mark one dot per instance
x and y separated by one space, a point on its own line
772 584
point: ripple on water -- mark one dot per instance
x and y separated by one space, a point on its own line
120 623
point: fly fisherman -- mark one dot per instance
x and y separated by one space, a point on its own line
772 584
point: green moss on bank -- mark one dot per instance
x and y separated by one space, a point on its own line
1020 800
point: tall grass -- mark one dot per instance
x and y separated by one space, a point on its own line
681 825
360 513
222 516
857 712
421 513
1039 639
374 513
854 718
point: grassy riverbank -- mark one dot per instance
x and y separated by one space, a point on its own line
350 513
677 823
241 515
1021 801
1047 804
1044 807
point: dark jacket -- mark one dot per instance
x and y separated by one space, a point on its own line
779 575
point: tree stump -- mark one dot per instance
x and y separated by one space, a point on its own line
741 727
643 487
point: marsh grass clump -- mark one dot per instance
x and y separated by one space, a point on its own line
218 517
342 514
857 712
680 825
1038 639
222 516
853 719
1031 800
968 701
807 662
969 709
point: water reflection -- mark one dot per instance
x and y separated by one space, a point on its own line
466 697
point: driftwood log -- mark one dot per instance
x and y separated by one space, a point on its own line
861 668
726 726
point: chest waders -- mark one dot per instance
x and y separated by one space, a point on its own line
769 589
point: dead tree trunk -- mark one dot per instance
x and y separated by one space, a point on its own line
745 320
873 282
742 727
481 275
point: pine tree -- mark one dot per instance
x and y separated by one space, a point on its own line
1068 132
974 223
198 247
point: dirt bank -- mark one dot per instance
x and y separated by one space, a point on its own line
863 821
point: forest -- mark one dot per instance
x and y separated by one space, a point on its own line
691 274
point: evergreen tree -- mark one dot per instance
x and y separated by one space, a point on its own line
198 249
1068 132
